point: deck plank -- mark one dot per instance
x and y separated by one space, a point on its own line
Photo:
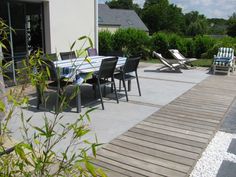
180 125
147 158
154 152
170 141
141 164
163 142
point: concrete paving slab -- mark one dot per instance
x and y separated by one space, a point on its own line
157 92
107 124
227 169
232 147
229 124
192 75
158 89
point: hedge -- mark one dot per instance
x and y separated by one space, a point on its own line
105 42
133 42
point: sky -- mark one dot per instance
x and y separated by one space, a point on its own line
209 8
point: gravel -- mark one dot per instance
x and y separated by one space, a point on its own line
210 162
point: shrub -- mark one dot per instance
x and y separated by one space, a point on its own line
105 42
190 47
37 153
177 42
202 45
131 41
224 42
160 43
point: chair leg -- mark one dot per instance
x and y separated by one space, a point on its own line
100 93
126 94
119 85
104 90
117 100
79 101
112 85
39 98
129 85
139 90
228 73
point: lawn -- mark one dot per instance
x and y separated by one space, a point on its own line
199 62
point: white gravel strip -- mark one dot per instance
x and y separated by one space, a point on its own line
210 162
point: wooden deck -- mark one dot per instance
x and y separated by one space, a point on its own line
170 141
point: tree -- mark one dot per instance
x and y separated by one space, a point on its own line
175 19
195 24
120 4
231 30
217 26
159 15
124 4
149 3
197 28
137 9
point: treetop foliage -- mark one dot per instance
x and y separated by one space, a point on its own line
161 15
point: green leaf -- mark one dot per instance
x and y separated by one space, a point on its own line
72 46
82 38
94 150
40 130
88 38
91 169
88 60
101 172
88 76
2 106
19 150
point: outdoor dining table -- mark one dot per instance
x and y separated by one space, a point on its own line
79 67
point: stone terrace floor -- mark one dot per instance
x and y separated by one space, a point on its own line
161 133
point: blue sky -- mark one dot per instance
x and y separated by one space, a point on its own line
210 8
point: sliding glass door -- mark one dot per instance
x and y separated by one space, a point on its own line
27 21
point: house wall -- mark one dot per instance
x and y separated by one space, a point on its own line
112 29
66 21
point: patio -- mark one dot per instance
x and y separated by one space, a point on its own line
161 133
158 89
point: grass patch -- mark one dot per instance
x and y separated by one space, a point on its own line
198 63
202 62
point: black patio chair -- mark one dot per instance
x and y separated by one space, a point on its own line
92 52
101 78
67 55
55 82
131 65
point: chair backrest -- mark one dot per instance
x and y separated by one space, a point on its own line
107 67
51 56
162 59
92 52
131 64
225 53
177 54
52 69
67 55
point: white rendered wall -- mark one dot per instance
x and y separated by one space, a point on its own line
112 29
68 20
